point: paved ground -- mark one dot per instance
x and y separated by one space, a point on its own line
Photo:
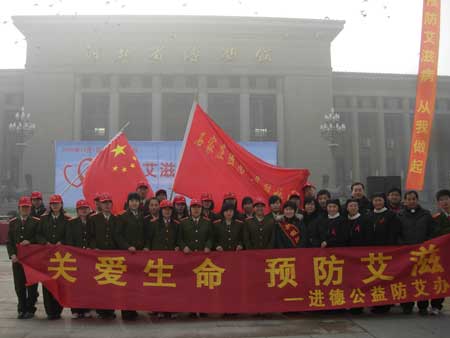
394 325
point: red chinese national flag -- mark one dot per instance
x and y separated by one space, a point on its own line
211 161
115 170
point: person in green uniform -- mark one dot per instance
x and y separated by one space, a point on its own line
228 231
208 206
52 230
195 233
102 226
258 229
129 234
77 234
162 235
442 227
22 231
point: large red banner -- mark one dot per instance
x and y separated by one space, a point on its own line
252 281
208 154
425 95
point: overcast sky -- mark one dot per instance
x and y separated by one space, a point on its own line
379 36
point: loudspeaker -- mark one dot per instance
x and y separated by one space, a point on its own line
382 184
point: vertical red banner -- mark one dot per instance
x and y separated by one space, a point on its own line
425 95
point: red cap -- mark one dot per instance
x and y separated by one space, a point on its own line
196 201
105 198
55 199
82 204
179 199
229 195
308 185
259 200
24 201
294 193
142 184
206 196
165 204
97 197
36 195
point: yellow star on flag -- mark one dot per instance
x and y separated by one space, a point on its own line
124 169
115 168
119 150
132 165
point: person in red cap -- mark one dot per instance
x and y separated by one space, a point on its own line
294 196
195 230
208 206
196 233
162 234
78 235
22 231
38 207
102 227
259 229
161 194
52 230
180 207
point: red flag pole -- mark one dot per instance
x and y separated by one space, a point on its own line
86 168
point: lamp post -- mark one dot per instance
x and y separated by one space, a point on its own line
331 130
21 128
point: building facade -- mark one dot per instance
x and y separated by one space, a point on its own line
261 79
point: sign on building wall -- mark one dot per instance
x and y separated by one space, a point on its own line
158 159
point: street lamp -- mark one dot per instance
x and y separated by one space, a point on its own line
22 128
331 130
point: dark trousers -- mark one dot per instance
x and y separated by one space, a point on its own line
52 307
105 313
26 295
437 303
129 315
423 304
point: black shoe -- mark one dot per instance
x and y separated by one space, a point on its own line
423 312
28 315
407 310
21 315
53 317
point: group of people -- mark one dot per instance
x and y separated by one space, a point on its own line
307 219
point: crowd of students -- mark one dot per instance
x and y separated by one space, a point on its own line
155 223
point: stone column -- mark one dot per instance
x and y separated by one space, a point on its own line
280 123
156 108
245 109
381 138
114 107
354 129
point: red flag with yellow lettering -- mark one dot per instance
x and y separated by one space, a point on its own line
116 171
211 161
425 95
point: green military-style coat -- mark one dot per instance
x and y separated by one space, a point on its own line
78 233
259 234
102 231
51 230
228 236
196 236
162 236
19 231
130 231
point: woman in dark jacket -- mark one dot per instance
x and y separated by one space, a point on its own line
334 228
290 231
311 218
228 231
358 225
